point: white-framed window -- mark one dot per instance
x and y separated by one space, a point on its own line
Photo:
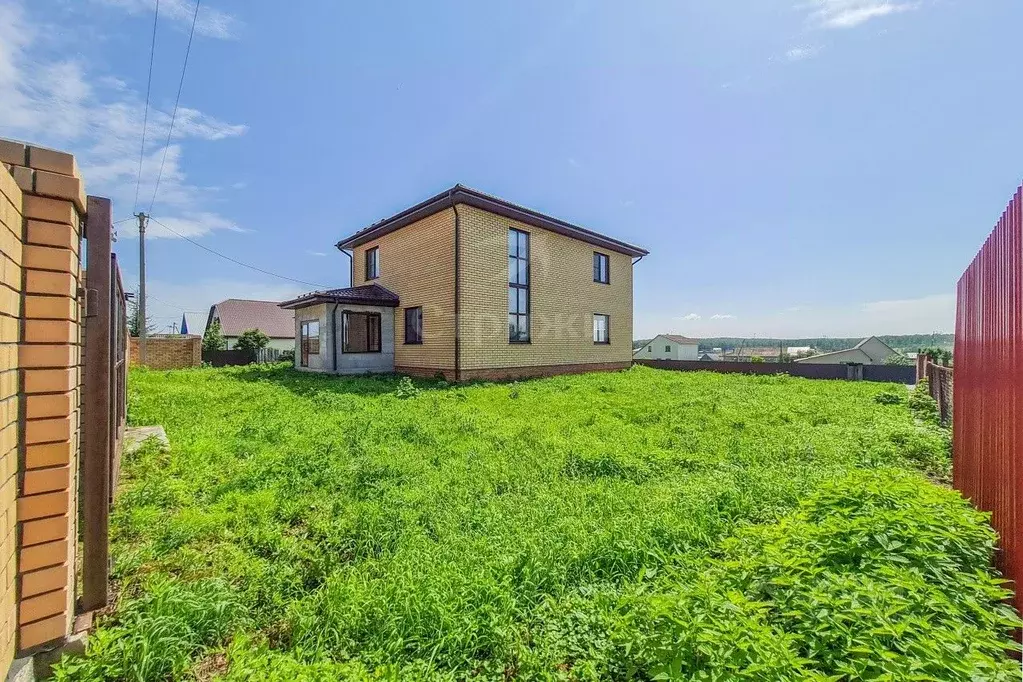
601 328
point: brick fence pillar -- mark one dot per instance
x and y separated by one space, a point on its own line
50 361
10 334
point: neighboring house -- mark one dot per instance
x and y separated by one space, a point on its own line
469 286
237 316
869 351
669 347
710 357
796 351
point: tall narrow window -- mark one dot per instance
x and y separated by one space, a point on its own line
518 286
373 263
413 325
361 333
602 329
309 341
601 268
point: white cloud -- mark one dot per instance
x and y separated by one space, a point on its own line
690 317
851 13
211 22
188 225
574 163
798 54
316 253
721 316
55 104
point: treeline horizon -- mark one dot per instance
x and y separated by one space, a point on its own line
902 342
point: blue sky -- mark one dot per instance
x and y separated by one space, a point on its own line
795 167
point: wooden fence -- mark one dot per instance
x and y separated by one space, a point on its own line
988 397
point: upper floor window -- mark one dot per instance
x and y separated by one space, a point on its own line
518 286
373 263
601 329
601 268
309 338
413 325
667 349
361 333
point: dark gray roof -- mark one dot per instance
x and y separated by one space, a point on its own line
459 194
369 294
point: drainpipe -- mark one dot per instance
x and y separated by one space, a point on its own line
458 298
636 262
333 333
351 266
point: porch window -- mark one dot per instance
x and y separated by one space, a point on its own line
518 286
413 325
309 340
601 329
373 263
361 333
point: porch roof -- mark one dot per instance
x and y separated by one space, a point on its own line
369 294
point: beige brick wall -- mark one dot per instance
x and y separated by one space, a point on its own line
417 262
563 296
173 352
49 359
10 312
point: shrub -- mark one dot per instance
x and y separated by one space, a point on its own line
251 342
213 338
877 576
922 405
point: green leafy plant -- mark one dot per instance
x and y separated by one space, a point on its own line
213 338
406 388
251 342
604 526
890 398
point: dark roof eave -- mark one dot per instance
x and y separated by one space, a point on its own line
464 195
306 301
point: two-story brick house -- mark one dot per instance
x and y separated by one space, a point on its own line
471 286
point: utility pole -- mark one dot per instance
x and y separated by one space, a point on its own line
141 308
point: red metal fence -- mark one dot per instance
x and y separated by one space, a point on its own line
988 396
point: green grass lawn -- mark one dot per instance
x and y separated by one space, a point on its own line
638 525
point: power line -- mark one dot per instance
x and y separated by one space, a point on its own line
236 262
145 117
174 114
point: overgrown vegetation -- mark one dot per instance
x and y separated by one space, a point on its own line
642 525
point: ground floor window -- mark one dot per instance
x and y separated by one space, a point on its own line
309 340
413 325
601 328
361 333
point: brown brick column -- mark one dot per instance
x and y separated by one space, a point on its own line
10 333
50 359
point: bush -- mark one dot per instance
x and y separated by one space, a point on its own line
287 356
922 405
251 342
213 338
877 576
